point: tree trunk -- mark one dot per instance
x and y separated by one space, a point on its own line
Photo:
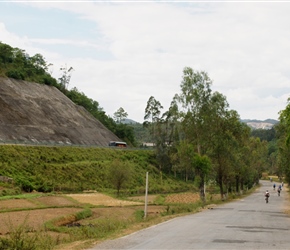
201 190
237 184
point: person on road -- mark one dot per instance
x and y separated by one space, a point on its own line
274 186
267 195
279 190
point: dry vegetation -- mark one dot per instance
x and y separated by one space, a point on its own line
35 212
38 210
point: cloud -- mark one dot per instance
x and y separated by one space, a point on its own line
123 53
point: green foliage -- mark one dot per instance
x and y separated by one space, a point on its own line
120 115
123 131
283 143
199 138
119 174
16 63
139 215
84 214
182 208
264 134
73 169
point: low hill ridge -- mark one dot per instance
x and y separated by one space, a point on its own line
38 113
259 124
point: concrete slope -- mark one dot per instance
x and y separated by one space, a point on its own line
31 112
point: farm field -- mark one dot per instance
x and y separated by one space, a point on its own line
35 211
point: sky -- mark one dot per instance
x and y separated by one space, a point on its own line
124 52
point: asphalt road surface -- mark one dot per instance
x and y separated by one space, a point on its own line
248 223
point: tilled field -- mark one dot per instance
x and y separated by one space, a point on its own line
34 212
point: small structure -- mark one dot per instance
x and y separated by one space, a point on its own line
120 144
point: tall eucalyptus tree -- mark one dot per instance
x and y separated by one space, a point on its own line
195 99
152 116
283 134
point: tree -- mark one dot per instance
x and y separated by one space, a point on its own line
202 166
119 174
283 142
186 154
64 80
152 116
120 115
196 116
195 97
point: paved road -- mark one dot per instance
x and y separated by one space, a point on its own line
249 223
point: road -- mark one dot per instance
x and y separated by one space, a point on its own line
248 223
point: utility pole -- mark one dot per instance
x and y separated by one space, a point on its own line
146 196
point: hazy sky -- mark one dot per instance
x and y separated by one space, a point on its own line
123 52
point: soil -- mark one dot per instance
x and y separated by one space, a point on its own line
34 212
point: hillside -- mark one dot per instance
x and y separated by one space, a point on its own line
258 124
38 113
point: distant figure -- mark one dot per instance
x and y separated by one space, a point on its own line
282 183
279 190
274 186
267 195
271 179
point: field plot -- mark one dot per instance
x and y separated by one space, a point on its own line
37 210
99 199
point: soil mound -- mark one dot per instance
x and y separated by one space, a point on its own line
37 113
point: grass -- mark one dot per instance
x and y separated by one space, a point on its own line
74 169
22 237
21 196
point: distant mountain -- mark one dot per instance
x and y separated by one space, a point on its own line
253 123
129 121
259 124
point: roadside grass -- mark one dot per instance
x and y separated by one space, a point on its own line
21 196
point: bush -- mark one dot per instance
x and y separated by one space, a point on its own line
15 74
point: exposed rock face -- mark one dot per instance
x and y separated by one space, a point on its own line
31 112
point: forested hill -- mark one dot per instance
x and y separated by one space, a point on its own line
16 64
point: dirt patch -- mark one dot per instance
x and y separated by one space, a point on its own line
16 204
98 199
56 201
34 219
150 198
182 198
34 215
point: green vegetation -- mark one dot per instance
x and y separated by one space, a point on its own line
200 139
72 169
283 143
